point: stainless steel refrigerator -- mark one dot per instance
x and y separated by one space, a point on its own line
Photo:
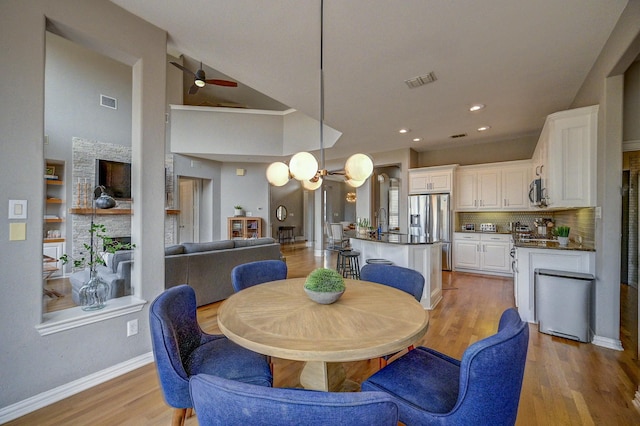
430 221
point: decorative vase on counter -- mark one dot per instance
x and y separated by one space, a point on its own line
93 295
563 241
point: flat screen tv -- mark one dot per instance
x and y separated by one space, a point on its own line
115 176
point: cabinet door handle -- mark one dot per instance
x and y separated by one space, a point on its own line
506 202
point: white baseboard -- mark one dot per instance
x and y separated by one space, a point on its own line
605 342
51 396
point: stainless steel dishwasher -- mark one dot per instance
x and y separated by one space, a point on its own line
563 303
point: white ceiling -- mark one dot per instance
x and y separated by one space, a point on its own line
523 59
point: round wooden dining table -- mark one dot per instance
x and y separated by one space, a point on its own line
278 319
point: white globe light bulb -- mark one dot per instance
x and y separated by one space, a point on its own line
278 174
355 183
303 166
312 186
358 167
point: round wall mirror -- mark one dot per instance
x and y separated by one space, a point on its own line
281 213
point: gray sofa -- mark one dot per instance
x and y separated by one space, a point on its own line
117 274
207 266
204 266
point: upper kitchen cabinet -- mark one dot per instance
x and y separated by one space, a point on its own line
478 188
515 186
494 187
427 180
565 158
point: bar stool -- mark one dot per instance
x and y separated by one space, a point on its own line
349 263
379 261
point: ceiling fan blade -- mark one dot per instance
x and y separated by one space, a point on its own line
225 83
193 89
182 68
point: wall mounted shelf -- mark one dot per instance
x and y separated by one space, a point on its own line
101 211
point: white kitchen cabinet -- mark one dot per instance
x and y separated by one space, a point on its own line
565 158
431 179
478 189
530 259
495 253
466 251
515 187
483 253
493 187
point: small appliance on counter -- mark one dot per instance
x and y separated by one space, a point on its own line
522 232
469 227
487 227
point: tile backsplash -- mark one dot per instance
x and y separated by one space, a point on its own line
581 221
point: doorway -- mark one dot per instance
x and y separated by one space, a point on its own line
189 219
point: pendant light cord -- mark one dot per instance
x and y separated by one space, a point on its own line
322 166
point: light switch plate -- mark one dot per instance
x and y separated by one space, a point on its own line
17 209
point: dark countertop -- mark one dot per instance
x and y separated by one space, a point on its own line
483 232
554 245
394 239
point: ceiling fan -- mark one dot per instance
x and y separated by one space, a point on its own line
200 80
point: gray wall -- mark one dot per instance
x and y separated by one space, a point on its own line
291 196
75 77
631 123
604 86
508 150
251 191
33 364
210 205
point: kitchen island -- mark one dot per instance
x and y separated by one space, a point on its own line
410 252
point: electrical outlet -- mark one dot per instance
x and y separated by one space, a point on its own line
132 327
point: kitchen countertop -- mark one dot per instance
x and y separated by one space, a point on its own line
483 232
394 239
554 245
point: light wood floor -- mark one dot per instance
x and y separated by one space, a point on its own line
565 383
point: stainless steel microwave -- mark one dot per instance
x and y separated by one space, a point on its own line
536 193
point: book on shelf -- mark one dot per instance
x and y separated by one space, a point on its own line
51 177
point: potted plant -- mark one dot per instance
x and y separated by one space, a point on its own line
238 210
562 232
363 225
93 295
324 285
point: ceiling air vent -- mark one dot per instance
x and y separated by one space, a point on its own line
459 135
421 80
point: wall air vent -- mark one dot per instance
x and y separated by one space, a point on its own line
421 80
459 135
108 102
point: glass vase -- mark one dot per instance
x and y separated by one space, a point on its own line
93 295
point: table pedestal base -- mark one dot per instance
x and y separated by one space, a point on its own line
324 376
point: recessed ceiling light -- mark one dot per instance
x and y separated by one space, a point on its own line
417 139
483 128
403 131
476 107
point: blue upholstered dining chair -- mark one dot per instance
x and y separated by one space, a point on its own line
431 388
181 350
219 401
261 271
405 279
